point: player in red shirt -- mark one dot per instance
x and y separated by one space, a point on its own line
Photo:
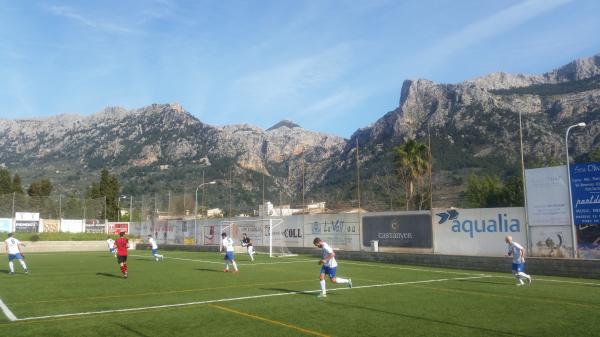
122 244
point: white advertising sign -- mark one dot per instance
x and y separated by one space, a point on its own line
71 226
478 231
548 196
27 216
548 211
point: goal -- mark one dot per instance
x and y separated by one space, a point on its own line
266 235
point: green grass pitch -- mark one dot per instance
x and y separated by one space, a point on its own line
188 294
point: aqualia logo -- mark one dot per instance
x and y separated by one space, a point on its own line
499 224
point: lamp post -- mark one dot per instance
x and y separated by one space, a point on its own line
528 245
119 207
204 163
196 208
573 230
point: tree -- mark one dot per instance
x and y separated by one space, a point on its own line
17 184
513 192
389 186
595 155
490 191
108 187
411 160
40 188
5 182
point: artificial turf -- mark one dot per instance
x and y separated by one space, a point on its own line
188 294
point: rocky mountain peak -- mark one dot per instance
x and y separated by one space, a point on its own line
284 124
577 70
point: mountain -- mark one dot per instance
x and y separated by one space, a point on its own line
473 127
139 144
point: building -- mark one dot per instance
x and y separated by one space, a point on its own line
267 209
214 213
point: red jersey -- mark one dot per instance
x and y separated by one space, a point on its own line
121 244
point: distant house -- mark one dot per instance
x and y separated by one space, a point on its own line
214 213
163 167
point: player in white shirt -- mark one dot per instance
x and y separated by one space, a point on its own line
111 246
227 244
329 267
518 266
154 248
13 248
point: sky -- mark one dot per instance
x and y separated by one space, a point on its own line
330 66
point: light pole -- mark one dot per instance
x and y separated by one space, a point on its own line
573 230
119 208
204 163
528 245
196 208
130 208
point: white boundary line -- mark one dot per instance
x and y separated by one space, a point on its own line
90 313
9 314
239 264
556 281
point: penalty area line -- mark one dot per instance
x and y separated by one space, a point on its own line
178 305
7 312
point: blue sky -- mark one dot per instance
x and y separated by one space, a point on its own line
331 66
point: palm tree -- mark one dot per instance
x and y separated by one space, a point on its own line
411 160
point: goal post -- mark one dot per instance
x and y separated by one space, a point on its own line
266 235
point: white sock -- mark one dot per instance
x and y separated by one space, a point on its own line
518 277
23 264
234 265
523 275
323 290
11 266
226 266
341 280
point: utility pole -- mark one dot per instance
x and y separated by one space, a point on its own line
358 176
303 202
230 191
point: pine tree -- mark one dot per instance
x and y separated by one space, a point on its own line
17 184
40 188
5 182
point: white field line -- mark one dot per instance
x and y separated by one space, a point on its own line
89 313
239 264
556 281
9 314
407 268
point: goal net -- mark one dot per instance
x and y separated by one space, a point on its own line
266 235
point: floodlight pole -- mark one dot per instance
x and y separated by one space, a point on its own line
528 243
196 209
573 229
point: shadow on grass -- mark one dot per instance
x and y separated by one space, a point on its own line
300 292
132 330
4 271
108 275
212 270
145 259
483 330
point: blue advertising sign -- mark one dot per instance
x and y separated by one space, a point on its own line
585 193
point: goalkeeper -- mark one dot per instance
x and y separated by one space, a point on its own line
246 242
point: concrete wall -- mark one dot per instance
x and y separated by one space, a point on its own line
535 265
66 246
